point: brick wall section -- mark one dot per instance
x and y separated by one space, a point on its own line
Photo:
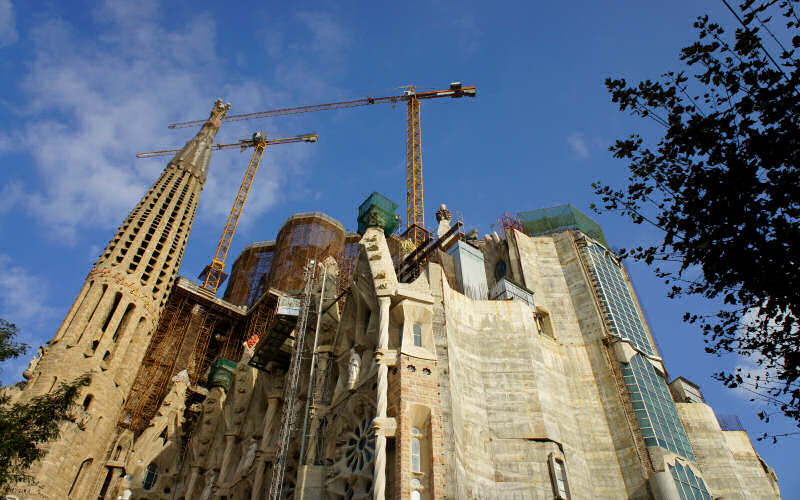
408 388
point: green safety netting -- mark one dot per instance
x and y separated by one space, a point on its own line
548 220
378 210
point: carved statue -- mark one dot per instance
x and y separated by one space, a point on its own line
443 217
28 373
248 458
211 478
353 369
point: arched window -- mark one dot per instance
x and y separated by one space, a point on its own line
544 323
117 452
415 495
150 476
416 465
80 476
417 334
87 402
558 475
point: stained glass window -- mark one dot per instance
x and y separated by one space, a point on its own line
655 411
690 487
621 313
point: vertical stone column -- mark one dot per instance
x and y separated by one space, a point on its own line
261 454
230 440
193 481
379 480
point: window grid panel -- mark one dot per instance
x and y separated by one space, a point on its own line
622 315
690 487
654 409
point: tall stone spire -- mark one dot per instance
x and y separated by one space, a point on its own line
108 327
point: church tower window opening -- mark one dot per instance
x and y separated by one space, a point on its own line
689 485
417 334
416 462
558 476
150 476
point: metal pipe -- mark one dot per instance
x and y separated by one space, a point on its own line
313 372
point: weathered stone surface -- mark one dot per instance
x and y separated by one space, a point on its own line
419 388
108 327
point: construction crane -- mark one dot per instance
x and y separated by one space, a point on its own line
415 204
213 274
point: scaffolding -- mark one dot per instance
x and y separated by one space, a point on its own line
270 325
247 281
430 251
347 262
508 221
193 330
303 237
290 391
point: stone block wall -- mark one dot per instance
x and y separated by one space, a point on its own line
730 465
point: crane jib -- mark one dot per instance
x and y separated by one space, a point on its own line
459 92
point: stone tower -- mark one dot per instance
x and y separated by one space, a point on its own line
108 327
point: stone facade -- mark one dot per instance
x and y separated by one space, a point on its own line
107 329
423 392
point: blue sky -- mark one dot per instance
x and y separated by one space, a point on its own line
87 85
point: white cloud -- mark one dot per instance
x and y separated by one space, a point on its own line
93 104
11 195
24 294
125 11
8 26
327 35
577 143
23 301
758 377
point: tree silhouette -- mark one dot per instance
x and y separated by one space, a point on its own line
723 186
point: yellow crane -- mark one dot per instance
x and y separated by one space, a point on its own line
213 273
415 204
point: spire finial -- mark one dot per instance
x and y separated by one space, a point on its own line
218 113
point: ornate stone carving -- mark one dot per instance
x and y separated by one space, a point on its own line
353 369
28 373
350 475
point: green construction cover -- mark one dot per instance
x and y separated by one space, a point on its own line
378 210
560 218
220 374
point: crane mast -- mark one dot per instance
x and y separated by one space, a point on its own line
415 204
213 274
214 271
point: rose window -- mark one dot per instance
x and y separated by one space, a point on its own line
360 447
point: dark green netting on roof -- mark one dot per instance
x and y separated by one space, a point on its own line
378 210
561 218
